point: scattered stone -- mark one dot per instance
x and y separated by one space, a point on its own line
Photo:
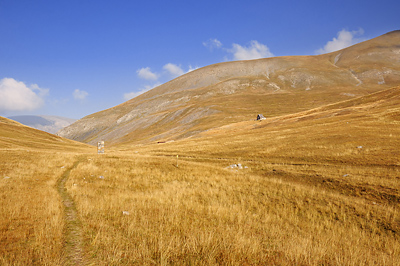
238 166
359 147
346 175
62 166
348 94
125 213
101 177
7 177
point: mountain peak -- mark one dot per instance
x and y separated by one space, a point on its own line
230 92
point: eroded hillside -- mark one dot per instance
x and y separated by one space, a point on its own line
230 92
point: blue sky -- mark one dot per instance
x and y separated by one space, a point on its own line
73 58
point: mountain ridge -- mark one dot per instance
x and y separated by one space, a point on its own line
47 123
230 92
16 136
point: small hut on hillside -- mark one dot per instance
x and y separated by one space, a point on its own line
260 117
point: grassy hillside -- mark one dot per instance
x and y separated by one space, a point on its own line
50 124
316 187
32 217
231 92
14 135
317 184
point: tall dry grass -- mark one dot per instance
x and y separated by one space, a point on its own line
204 214
320 188
31 224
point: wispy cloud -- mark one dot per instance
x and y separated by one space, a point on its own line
255 50
133 94
170 69
80 95
173 70
344 39
192 68
212 44
146 73
16 96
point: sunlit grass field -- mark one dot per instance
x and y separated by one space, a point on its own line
31 224
148 211
315 188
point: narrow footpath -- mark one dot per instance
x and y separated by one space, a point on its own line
73 233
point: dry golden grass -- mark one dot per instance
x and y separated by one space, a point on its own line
31 224
31 211
202 214
320 188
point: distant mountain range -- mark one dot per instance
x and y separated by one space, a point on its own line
50 124
231 92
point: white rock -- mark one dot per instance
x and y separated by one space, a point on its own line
125 213
239 166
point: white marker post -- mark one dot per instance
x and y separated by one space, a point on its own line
100 147
177 157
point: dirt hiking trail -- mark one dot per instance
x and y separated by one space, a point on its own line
74 248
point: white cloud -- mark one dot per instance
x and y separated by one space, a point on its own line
212 43
80 95
145 73
344 39
256 50
16 96
133 94
192 68
174 70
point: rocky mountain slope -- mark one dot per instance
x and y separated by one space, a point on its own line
230 92
50 124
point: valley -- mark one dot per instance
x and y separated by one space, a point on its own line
315 187
190 177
